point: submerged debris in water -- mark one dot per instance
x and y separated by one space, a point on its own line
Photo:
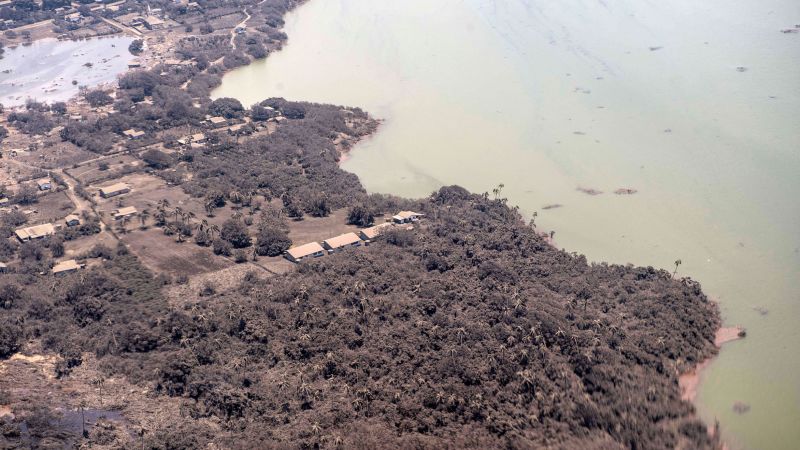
761 310
741 407
625 191
589 191
553 206
652 49
741 69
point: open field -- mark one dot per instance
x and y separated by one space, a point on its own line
51 207
161 254
105 169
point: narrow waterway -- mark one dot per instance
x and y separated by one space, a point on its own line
51 70
694 104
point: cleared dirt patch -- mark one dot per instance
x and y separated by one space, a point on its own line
105 169
161 254
51 207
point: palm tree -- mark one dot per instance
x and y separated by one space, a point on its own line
178 212
527 378
100 381
678 262
213 229
123 224
496 191
533 219
83 418
203 225
189 216
143 216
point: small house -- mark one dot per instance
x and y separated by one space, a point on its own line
44 184
198 138
73 18
122 213
65 267
372 233
310 250
152 23
133 134
3 267
72 220
217 121
35 232
234 129
407 217
341 242
114 190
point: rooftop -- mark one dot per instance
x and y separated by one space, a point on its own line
373 232
66 266
409 214
342 240
126 211
304 250
35 231
116 187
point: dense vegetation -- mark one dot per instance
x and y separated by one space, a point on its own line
470 332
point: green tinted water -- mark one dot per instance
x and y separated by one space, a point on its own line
694 104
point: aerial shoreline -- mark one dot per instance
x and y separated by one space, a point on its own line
153 57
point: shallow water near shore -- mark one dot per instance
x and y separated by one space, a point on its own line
44 70
693 104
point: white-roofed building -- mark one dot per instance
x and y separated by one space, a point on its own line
341 242
310 250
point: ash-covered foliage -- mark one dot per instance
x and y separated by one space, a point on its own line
299 159
473 333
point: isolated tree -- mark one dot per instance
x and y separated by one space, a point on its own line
59 108
318 206
235 232
361 216
678 262
227 107
292 207
260 113
143 216
98 97
157 159
136 47
57 247
272 241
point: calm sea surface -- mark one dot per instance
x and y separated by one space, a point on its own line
693 103
45 70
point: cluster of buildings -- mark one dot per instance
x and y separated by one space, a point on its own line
348 240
